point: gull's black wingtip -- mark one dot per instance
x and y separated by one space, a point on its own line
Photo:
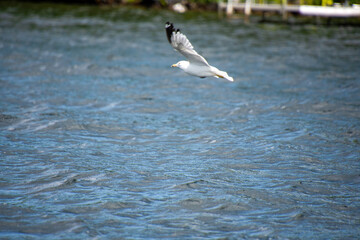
169 27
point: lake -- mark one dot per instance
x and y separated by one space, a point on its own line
101 139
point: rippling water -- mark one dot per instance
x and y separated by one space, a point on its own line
101 139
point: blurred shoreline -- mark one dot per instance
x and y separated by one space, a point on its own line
209 5
204 6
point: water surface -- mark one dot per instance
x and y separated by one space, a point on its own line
100 138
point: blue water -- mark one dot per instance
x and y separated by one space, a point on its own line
101 139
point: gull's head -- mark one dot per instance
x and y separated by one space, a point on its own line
181 64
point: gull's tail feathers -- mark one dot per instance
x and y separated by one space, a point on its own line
222 74
227 77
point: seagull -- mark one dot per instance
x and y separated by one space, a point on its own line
196 64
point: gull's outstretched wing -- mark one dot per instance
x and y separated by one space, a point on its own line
180 43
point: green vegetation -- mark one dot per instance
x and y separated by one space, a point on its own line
165 3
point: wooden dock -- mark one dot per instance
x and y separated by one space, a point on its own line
307 10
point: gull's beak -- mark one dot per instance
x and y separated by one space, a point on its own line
174 65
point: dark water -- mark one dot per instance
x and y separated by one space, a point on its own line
101 139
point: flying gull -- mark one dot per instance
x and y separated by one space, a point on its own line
196 64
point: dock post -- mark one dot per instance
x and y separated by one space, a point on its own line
229 8
247 9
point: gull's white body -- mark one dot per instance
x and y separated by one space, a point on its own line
201 71
197 65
